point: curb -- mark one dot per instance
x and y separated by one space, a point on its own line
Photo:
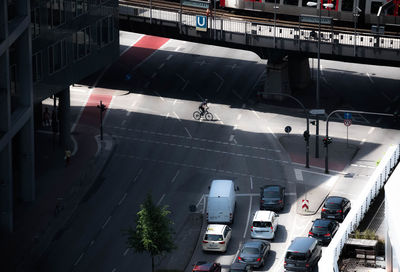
73 199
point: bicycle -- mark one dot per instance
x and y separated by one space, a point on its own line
207 115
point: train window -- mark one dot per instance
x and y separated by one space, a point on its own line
291 2
304 3
362 39
341 37
347 5
375 7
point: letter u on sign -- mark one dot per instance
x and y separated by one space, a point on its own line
201 23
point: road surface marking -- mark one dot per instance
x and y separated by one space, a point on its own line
161 199
234 127
299 174
363 141
248 218
180 77
174 178
122 199
161 66
126 251
222 81
175 101
91 243
177 116
79 259
123 122
331 181
243 106
251 182
166 116
231 138
370 79
239 116
159 96
237 95
169 57
272 133
219 119
190 136
386 96
177 49
184 86
256 114
147 84
114 269
201 199
154 75
371 130
105 224
379 120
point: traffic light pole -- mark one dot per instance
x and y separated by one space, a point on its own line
306 133
350 111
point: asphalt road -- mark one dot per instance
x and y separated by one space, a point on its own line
162 150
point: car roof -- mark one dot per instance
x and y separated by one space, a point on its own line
215 229
263 215
301 244
322 222
334 199
274 188
219 188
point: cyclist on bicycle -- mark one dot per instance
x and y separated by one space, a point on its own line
203 107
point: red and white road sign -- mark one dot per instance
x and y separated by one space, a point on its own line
305 204
347 122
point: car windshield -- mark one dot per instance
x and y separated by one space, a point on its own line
250 250
319 229
213 237
271 194
332 205
295 256
258 224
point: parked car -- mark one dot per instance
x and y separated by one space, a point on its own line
302 255
217 237
240 267
272 197
206 267
264 225
323 230
336 207
254 253
221 202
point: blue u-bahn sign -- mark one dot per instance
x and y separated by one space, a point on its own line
201 23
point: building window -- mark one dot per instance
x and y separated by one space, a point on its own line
347 5
55 13
37 67
57 56
79 7
35 22
105 31
81 43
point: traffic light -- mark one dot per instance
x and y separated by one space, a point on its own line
306 135
327 141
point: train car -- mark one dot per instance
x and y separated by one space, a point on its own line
341 10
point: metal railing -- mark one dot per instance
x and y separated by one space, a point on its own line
330 256
298 32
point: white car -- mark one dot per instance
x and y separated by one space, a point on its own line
217 237
264 225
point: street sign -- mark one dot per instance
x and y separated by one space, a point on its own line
317 111
315 19
347 115
201 23
288 129
305 204
347 122
196 4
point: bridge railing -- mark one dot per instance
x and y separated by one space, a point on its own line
297 32
330 256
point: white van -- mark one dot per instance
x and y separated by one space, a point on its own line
221 202
264 225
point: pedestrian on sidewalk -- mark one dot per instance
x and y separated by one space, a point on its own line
46 117
67 157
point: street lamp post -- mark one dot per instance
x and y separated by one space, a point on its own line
313 4
350 111
356 12
275 8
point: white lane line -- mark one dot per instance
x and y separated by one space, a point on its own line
129 112
181 78
239 116
386 96
184 86
379 120
175 101
190 136
114 269
371 130
123 122
75 145
363 141
256 114
169 57
126 251
161 66
231 138
154 75
105 224
174 178
299 174
234 127
166 116
147 84
201 199
370 79
248 218
222 81
91 243
272 133
159 96
81 110
122 199
234 141
79 259
161 199
251 182
177 49
179 119
219 119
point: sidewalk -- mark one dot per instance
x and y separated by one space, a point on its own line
37 224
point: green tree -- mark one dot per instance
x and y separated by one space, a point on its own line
153 232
